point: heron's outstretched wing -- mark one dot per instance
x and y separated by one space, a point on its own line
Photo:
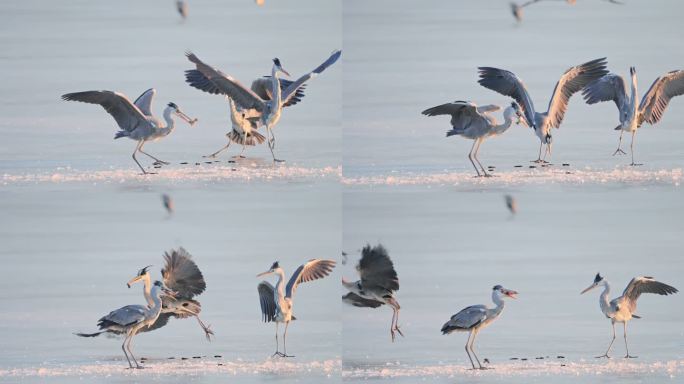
223 83
488 108
182 275
466 318
314 269
124 316
646 284
267 301
572 81
358 301
508 84
663 89
262 87
127 115
463 113
376 269
609 87
291 90
144 101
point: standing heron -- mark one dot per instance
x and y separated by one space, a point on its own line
276 303
572 81
181 274
377 285
475 123
621 309
244 129
131 319
135 119
476 317
613 87
269 109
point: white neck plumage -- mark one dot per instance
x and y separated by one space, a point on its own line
275 87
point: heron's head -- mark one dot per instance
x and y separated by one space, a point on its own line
274 268
159 288
632 71
140 276
519 115
502 292
598 280
176 110
278 67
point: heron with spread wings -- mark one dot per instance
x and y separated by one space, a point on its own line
571 82
135 120
612 87
276 302
377 286
621 309
268 109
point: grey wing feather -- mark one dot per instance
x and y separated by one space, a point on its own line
226 85
466 318
144 101
463 114
663 89
262 87
291 90
127 315
182 275
376 269
197 80
645 284
572 81
610 87
488 108
314 269
508 84
358 301
127 115
267 301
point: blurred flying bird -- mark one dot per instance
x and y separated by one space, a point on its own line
182 7
168 203
572 81
344 258
512 204
476 317
476 123
517 9
377 285
276 302
129 320
135 119
612 87
621 309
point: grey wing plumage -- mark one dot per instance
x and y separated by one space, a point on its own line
488 108
124 316
663 89
144 101
377 270
645 284
224 84
161 321
182 275
262 87
466 319
267 301
291 90
358 301
508 84
127 115
314 269
572 81
610 87
464 114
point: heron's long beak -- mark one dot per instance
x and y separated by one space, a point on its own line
133 281
510 293
263 273
185 117
523 121
589 288
285 72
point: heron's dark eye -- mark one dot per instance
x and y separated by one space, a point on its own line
185 304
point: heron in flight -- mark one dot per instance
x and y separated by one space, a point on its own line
135 119
621 309
276 303
182 8
612 87
476 123
572 81
476 317
129 320
180 274
269 109
517 9
377 285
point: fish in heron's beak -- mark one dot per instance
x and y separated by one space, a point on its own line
185 117
522 120
510 293
589 288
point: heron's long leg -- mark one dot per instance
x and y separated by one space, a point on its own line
472 343
123 347
547 152
467 351
627 356
539 159
611 343
470 157
619 150
207 331
271 144
155 159
277 352
128 346
137 148
395 317
631 149
287 324
479 142
213 155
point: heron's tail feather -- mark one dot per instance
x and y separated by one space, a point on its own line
89 334
253 138
294 318
619 127
454 132
121 134
636 317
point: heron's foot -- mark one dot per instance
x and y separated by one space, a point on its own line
633 164
602 356
488 175
148 173
619 151
628 356
485 368
277 353
399 331
278 160
539 161
212 156
208 333
286 355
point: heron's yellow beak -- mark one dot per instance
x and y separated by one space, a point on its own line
589 288
133 281
263 273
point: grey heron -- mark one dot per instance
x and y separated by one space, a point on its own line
135 119
268 109
572 81
476 123
129 320
181 274
516 8
476 317
612 87
276 302
182 8
377 286
621 309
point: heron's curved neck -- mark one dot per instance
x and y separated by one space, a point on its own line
279 285
275 88
156 301
170 122
500 303
508 120
633 97
147 290
604 300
